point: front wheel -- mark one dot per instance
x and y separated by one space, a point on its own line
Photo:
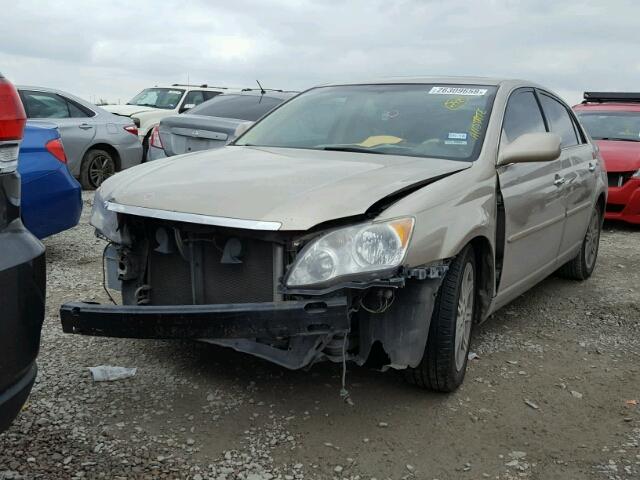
582 265
97 166
444 361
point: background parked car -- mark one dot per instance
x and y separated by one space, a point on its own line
22 270
151 105
51 197
97 143
213 123
613 121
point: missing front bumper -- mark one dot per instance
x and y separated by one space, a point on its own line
243 320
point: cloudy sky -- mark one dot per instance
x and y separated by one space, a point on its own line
113 49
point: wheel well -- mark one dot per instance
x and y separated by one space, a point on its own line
485 276
109 149
602 204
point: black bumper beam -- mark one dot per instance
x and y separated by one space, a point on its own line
240 320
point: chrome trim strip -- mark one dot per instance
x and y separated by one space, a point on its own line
523 233
575 210
193 217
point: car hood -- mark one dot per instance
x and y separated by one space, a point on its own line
620 156
297 188
127 110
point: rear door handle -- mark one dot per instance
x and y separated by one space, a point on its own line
85 126
592 166
559 181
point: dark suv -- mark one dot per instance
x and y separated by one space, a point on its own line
22 270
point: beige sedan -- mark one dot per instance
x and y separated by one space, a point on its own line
370 222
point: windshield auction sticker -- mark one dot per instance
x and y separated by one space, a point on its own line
458 91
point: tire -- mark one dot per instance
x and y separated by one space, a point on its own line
444 362
97 166
582 265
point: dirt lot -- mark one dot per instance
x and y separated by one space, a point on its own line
550 396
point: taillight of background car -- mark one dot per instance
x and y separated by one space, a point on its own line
12 122
55 148
155 140
132 129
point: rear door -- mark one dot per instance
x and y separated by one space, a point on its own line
578 171
75 123
533 201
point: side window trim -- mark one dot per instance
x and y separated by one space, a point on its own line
580 138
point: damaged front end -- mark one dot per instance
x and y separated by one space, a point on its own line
334 293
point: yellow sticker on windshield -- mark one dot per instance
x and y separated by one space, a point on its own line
455 103
476 123
379 140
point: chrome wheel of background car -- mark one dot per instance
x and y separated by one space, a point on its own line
592 240
101 168
464 315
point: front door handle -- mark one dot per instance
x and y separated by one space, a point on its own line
559 181
592 166
85 126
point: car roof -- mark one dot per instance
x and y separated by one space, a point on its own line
456 80
608 107
206 87
251 92
76 99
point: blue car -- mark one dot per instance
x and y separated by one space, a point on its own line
51 196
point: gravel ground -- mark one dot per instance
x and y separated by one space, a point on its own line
551 395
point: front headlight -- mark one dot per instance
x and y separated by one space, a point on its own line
350 251
105 221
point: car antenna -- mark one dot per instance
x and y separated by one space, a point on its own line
262 90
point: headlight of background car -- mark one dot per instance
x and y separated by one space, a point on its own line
350 251
105 221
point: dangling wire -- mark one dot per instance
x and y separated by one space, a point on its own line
344 393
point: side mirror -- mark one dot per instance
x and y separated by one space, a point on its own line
531 147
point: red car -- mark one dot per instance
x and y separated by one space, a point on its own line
613 121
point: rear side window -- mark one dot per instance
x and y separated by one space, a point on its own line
559 120
241 107
522 116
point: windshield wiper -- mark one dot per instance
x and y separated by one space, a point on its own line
619 139
348 148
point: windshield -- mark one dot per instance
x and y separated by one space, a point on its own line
624 126
445 121
167 98
242 107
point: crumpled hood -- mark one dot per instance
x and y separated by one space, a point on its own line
620 156
127 110
297 188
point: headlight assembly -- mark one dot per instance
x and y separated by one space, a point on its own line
351 251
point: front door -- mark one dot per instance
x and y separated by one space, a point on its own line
533 198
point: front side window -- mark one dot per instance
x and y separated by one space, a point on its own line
522 116
605 125
559 120
167 98
420 120
45 105
241 107
192 99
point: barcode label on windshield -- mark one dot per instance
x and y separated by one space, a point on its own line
457 91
